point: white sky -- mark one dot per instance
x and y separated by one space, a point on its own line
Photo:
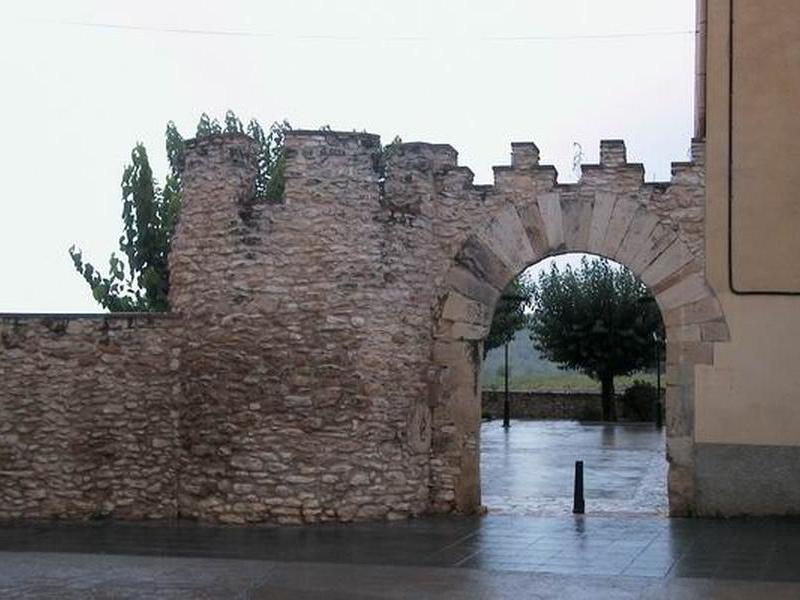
75 99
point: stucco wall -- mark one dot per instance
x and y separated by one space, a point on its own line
748 405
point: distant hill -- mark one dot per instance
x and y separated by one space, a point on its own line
524 360
528 370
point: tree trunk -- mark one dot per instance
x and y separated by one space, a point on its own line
608 399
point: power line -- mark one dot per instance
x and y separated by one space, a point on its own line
358 38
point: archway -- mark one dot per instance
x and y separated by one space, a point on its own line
556 412
655 230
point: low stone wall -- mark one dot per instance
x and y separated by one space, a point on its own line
583 406
579 406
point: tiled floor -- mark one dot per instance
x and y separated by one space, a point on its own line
766 550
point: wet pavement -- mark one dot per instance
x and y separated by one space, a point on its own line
529 468
82 576
629 555
514 552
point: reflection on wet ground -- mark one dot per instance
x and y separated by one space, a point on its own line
653 547
529 468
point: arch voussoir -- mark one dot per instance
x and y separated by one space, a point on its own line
621 217
641 227
659 240
506 238
475 256
704 310
470 285
673 259
534 226
576 210
552 219
603 207
686 291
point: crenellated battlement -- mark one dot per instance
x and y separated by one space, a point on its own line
316 155
412 183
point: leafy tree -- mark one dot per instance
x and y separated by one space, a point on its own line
597 319
509 315
140 281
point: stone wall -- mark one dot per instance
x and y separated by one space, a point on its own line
305 344
88 422
544 405
323 359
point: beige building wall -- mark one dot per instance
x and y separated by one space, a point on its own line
748 402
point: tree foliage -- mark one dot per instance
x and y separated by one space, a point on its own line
510 314
138 279
597 319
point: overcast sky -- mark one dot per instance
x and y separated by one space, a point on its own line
472 73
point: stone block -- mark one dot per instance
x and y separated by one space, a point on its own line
621 217
524 155
475 256
696 353
680 450
707 309
577 219
668 262
680 409
467 283
613 153
658 241
534 226
684 333
601 216
550 210
458 307
506 237
642 226
686 291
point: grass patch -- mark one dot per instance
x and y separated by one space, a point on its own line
567 382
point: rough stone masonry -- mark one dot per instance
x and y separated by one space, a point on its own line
323 355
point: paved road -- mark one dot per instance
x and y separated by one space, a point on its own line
529 468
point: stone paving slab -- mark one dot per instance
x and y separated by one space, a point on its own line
78 576
755 550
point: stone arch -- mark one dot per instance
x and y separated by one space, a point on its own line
612 213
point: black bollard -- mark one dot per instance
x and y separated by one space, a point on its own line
506 401
578 504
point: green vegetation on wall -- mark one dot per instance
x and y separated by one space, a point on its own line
139 282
